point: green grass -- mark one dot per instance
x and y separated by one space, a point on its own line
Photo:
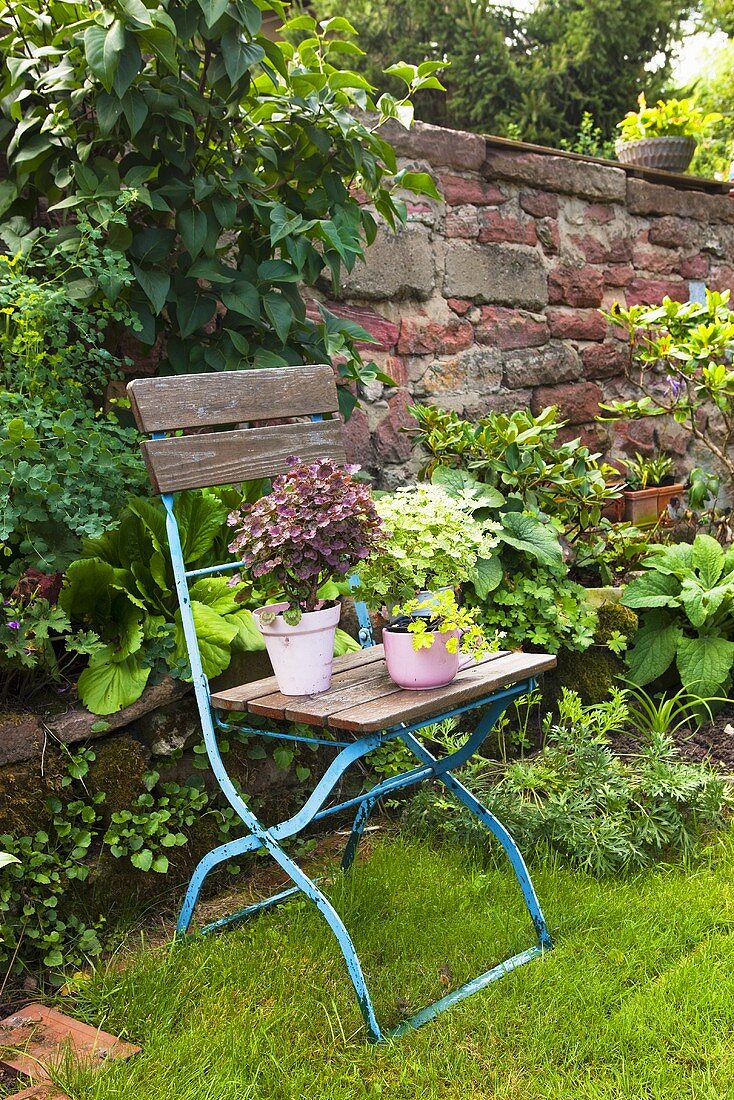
637 1000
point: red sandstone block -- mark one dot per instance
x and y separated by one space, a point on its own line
494 229
569 324
422 336
694 267
461 190
722 278
619 275
656 260
599 213
462 222
576 286
672 232
392 443
605 360
577 402
459 305
593 250
510 328
357 441
652 291
541 204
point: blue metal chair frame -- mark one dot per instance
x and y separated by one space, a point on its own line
315 809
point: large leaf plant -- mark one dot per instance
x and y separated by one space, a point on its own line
685 599
245 168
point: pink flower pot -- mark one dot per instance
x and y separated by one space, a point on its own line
302 656
420 669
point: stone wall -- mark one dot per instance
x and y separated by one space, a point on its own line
490 299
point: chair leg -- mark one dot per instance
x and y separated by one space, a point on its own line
498 830
360 820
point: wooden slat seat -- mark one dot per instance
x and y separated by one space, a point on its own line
362 697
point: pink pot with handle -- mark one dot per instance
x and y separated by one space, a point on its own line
302 656
420 669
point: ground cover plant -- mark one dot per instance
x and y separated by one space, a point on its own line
635 1000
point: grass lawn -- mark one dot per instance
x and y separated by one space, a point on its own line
636 1001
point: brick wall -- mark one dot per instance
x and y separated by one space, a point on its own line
490 299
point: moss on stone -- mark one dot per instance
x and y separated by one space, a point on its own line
117 772
613 617
24 791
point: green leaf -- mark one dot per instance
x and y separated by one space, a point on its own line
102 48
279 313
107 686
201 516
137 10
652 589
143 859
6 858
420 183
155 284
8 195
160 865
194 311
704 664
461 484
486 576
215 635
192 226
345 643
213 10
708 559
654 649
248 638
531 536
243 299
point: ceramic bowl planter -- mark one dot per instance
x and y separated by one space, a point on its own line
422 669
669 154
302 656
644 507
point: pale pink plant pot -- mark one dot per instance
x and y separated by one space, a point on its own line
421 669
302 656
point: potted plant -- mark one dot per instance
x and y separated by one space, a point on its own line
316 525
434 542
663 136
651 487
429 640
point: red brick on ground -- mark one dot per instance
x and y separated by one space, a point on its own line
40 1037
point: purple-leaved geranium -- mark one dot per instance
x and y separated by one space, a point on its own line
316 524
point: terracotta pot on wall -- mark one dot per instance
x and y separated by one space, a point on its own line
644 507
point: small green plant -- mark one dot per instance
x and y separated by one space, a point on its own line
648 473
439 614
433 541
668 118
589 140
664 714
686 603
64 476
154 824
579 803
680 366
606 554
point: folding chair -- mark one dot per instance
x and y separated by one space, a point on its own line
262 417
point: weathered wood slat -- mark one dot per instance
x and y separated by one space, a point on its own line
472 683
232 397
357 685
237 698
226 458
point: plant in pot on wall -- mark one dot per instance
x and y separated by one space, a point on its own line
434 543
430 639
663 136
316 525
650 489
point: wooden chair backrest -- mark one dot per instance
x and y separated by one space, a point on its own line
242 402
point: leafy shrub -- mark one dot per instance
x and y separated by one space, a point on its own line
578 802
60 297
686 600
64 476
433 542
242 157
680 367
123 589
538 607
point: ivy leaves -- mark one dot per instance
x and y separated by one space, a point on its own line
241 160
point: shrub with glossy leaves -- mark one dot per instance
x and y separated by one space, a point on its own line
317 524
